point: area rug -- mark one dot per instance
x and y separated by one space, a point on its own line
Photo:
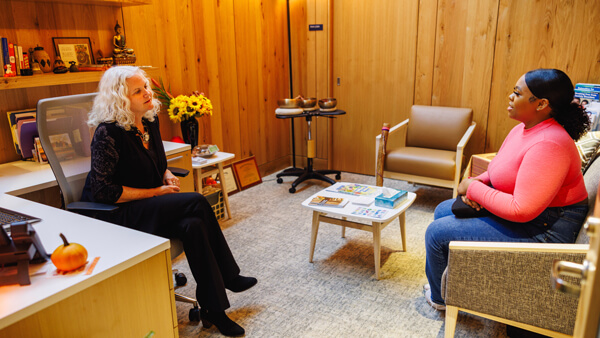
337 295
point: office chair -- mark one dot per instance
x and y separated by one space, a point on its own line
65 138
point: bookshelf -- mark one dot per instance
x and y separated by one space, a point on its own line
51 79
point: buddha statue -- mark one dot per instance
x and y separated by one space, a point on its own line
121 49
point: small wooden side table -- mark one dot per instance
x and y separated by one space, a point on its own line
215 161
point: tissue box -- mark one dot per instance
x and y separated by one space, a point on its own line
391 202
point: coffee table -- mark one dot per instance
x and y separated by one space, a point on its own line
369 222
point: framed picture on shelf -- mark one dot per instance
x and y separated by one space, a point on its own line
229 179
246 173
74 49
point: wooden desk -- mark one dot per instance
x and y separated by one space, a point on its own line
215 161
129 294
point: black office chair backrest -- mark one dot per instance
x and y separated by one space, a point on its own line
65 138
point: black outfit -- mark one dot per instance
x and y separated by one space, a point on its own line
120 159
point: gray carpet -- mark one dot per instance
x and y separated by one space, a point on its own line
337 295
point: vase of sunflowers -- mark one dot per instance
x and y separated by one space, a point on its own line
184 109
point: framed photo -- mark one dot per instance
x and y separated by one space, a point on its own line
231 185
74 49
246 173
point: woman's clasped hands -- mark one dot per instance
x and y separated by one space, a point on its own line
462 192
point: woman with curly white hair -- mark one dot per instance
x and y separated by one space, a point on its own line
129 168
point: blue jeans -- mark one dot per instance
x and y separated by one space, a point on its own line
553 225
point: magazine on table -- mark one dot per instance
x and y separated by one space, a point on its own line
369 212
355 189
335 202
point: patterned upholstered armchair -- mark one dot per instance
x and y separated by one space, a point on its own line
510 282
427 148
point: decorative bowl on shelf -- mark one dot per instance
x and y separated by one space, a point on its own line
327 103
289 103
205 150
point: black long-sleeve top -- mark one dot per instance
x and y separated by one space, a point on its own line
120 159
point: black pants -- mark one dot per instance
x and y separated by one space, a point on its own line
190 218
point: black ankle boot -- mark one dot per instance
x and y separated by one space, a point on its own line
226 326
240 283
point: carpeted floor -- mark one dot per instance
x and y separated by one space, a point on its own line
337 295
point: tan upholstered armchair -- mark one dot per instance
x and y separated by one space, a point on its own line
510 282
431 143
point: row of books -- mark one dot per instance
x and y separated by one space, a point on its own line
12 58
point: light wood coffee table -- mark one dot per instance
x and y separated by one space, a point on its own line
374 224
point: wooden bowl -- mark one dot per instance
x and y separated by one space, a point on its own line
327 103
289 103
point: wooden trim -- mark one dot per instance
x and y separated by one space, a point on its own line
523 247
517 324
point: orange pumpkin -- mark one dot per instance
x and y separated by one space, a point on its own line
69 256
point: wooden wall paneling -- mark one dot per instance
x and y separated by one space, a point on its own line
300 50
222 50
322 77
224 128
374 52
248 41
276 82
212 126
464 59
561 36
426 33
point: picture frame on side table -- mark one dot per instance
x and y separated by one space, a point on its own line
229 179
246 173
78 49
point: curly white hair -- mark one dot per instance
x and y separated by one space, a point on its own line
112 105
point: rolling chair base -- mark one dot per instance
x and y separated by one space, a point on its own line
307 174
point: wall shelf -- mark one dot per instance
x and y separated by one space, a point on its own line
114 3
51 79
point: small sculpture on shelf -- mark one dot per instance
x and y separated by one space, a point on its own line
59 66
73 68
40 56
121 54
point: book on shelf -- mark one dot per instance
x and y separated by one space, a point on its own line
12 70
5 55
335 202
355 189
17 68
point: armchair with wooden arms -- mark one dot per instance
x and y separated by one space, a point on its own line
510 282
431 143
65 138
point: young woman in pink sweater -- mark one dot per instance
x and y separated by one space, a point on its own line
533 189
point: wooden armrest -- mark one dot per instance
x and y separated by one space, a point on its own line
467 135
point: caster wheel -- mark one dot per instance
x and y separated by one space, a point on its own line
279 180
180 279
194 314
338 176
292 190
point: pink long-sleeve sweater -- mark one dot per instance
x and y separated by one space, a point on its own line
534 169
